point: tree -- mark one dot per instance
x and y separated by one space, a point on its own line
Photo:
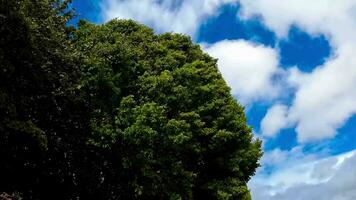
39 129
114 111
160 105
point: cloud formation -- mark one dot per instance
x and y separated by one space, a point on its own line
275 120
182 16
325 98
331 178
248 68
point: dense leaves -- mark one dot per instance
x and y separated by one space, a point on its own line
39 115
161 103
114 111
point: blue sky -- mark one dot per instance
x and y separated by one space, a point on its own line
291 63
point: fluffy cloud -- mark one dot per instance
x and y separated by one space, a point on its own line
317 16
275 120
275 159
182 16
325 98
248 68
331 178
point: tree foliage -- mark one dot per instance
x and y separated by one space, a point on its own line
40 114
114 111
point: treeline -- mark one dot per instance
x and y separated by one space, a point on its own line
114 111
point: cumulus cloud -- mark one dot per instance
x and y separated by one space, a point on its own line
278 158
330 178
182 16
275 120
317 16
326 97
248 68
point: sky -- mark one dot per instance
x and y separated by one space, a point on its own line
291 63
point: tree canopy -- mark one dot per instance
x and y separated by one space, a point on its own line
114 111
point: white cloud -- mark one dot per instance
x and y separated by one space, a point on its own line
326 97
182 16
278 158
248 68
316 16
330 178
275 120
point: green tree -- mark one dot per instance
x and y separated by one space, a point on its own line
114 111
39 115
160 105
